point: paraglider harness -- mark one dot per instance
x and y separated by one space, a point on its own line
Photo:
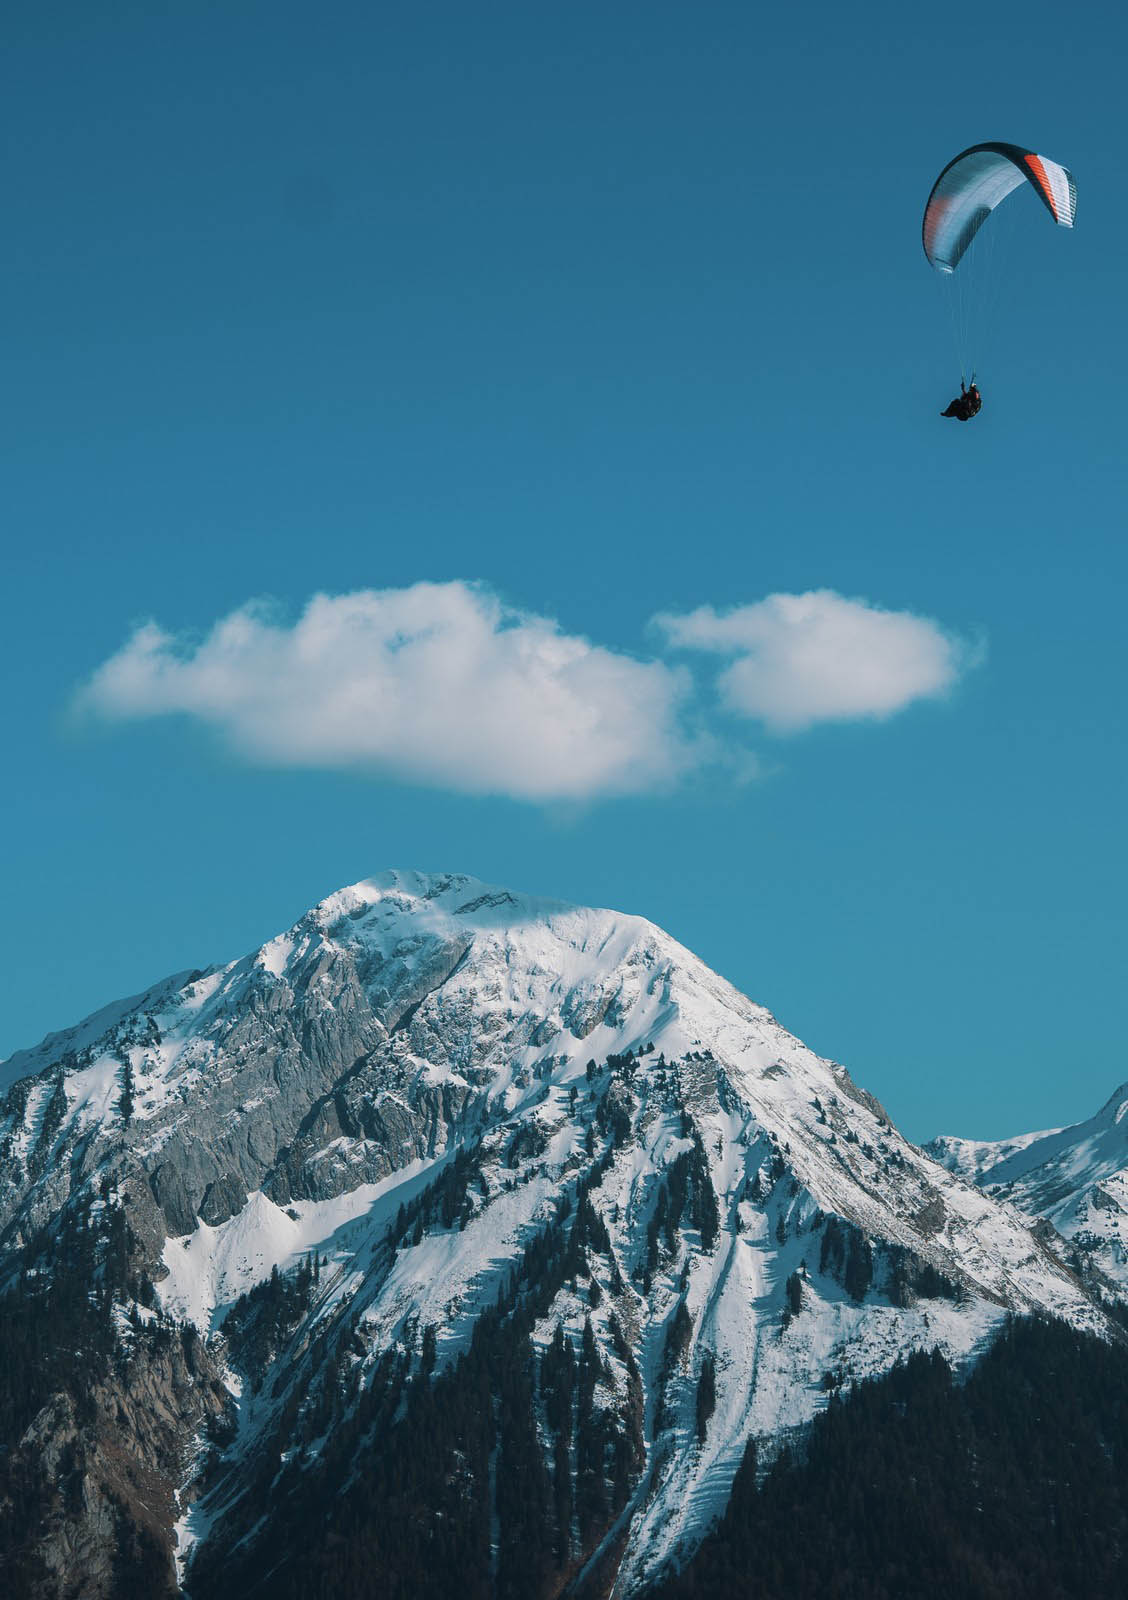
969 402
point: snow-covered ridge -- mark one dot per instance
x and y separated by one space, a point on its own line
974 1158
1075 1177
87 1033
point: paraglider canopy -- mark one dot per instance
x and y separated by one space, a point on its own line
971 186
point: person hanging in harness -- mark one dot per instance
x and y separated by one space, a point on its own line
968 404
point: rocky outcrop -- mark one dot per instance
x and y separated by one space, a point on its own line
171 1194
103 1469
224 1198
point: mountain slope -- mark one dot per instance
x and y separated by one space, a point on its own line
461 1115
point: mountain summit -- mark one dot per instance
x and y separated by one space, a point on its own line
442 1138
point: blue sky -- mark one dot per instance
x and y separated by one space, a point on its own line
614 311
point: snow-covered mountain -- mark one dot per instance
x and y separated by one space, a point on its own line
481 1115
1075 1178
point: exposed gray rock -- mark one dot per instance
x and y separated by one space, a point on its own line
171 1194
224 1198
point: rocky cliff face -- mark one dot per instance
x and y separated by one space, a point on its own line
437 1136
107 1470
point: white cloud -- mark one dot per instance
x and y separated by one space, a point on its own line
436 683
442 684
819 657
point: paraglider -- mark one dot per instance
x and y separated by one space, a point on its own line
968 403
963 198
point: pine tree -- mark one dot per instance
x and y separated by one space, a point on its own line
125 1099
706 1394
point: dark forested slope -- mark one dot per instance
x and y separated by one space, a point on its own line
1009 1487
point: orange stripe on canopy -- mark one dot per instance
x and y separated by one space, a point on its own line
1035 164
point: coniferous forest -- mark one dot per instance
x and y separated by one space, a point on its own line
1011 1486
